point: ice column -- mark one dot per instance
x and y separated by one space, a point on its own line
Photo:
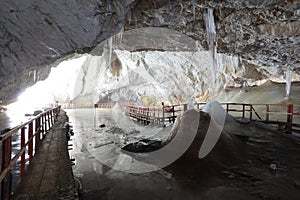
211 41
110 43
288 79
114 40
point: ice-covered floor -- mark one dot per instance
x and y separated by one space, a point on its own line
252 180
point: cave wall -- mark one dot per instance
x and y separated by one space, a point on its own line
37 33
34 34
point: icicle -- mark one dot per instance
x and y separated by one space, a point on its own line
120 35
211 40
129 17
210 26
288 82
34 75
110 43
194 10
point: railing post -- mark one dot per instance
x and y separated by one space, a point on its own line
51 115
30 139
6 157
48 119
267 112
37 132
23 154
243 110
163 113
289 120
42 126
173 114
45 122
227 107
251 109
185 107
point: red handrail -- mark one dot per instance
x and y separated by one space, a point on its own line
34 128
246 110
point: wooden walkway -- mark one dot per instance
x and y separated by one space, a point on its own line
287 117
50 176
43 160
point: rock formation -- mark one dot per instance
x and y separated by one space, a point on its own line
35 34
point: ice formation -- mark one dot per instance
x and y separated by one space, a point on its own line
171 77
110 44
212 44
288 82
194 10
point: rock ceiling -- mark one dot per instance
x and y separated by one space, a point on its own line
37 33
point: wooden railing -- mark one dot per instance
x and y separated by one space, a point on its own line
31 133
282 115
97 105
287 117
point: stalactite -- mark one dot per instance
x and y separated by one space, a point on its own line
211 40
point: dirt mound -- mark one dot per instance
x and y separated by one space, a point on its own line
229 151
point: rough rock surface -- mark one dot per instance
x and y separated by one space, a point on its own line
266 32
37 33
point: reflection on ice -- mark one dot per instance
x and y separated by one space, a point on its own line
102 143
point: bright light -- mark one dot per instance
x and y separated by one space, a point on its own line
59 86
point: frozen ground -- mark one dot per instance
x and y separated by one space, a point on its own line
265 148
259 147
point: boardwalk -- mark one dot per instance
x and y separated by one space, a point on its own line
287 117
49 176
